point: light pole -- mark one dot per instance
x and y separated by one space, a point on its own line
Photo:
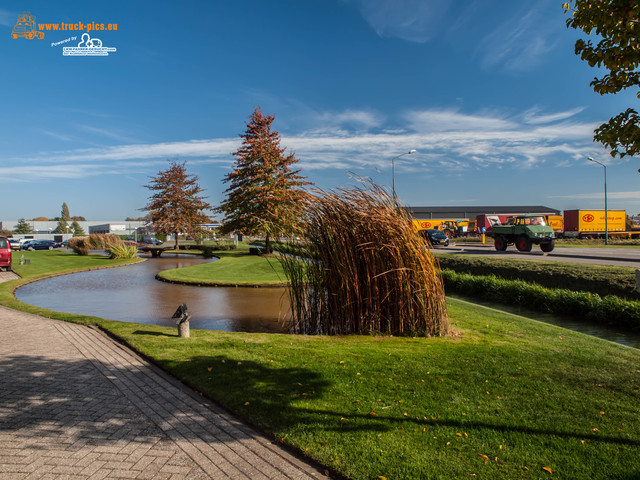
393 169
606 211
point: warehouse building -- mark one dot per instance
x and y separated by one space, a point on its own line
471 212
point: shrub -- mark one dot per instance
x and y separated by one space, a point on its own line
600 279
122 251
78 245
590 306
368 271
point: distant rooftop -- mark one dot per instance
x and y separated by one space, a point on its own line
420 213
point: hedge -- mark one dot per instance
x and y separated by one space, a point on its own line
603 280
610 309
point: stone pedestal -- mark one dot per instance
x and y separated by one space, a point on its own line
183 327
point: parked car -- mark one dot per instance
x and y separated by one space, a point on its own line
150 240
14 242
40 245
435 237
5 254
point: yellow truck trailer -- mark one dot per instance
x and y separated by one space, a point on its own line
589 223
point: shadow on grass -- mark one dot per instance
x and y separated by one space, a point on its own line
154 333
271 397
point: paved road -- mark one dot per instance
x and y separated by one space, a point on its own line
74 404
629 257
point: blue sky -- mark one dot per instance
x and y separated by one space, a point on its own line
488 92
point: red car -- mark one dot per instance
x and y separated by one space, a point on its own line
5 254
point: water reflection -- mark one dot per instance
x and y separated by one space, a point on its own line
132 294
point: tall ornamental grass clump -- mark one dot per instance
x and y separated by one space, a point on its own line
362 269
112 244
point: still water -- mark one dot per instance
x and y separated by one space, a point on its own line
132 294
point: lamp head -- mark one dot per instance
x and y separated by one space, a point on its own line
413 150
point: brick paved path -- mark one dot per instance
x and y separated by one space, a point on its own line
74 404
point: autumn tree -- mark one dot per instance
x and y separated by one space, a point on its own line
63 221
176 206
617 23
264 194
22 227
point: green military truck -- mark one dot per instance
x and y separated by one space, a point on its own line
524 231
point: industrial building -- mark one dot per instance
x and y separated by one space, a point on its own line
471 212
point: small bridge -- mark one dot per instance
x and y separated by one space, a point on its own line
155 251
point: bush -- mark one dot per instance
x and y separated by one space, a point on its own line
78 245
600 279
122 251
609 310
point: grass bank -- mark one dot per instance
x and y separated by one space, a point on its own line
234 268
45 263
506 397
600 279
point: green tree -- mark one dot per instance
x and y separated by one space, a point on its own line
63 222
77 230
23 227
264 194
176 206
617 23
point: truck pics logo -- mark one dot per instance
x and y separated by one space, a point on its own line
25 27
588 218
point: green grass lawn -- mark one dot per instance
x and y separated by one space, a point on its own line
233 268
45 263
504 398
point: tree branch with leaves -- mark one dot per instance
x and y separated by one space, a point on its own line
617 23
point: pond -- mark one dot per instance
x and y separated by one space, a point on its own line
132 294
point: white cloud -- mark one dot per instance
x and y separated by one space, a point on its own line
412 20
446 141
520 43
7 18
532 116
635 195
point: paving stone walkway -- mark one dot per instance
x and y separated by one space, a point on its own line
74 404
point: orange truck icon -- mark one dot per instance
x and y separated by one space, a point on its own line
26 27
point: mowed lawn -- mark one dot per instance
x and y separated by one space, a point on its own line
505 397
232 268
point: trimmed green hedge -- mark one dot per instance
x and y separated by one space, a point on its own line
592 307
603 280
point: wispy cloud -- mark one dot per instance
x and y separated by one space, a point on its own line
521 41
412 20
447 141
634 195
533 116
7 18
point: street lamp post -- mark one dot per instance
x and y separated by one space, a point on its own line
393 169
606 211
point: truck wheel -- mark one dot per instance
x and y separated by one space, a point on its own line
523 243
548 246
448 233
500 244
